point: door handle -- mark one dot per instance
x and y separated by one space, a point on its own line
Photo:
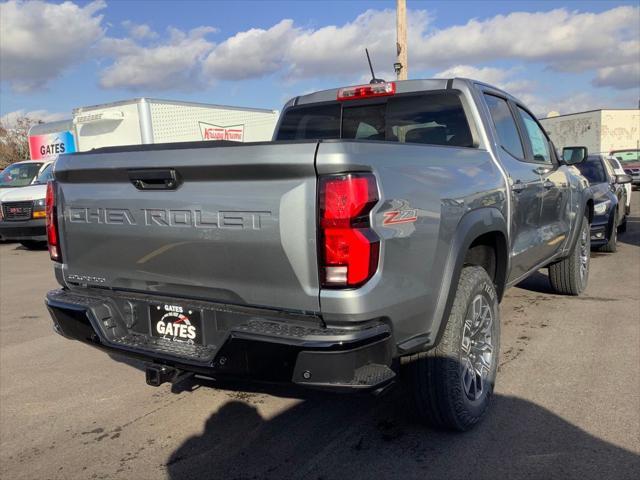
548 184
154 179
518 187
542 170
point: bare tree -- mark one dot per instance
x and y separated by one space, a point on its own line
14 140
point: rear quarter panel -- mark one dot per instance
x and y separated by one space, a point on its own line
441 185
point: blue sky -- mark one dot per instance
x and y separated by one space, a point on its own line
564 56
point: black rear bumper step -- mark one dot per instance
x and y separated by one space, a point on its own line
137 341
241 346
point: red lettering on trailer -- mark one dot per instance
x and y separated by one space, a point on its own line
234 133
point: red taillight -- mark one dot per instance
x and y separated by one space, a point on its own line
52 222
369 90
348 246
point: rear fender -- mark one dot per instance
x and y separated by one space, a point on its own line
471 226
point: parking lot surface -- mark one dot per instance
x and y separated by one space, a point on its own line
567 402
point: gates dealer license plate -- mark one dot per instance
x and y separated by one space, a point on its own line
178 323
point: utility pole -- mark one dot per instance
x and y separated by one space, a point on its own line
402 64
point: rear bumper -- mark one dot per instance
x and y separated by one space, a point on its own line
23 230
239 342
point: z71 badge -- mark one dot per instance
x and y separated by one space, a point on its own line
396 217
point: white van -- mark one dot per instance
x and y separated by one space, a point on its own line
22 208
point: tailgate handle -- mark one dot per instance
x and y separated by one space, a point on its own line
165 179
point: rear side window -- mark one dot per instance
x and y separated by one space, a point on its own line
434 119
505 125
539 143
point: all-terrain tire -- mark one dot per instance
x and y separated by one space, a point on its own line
435 378
33 244
570 275
612 244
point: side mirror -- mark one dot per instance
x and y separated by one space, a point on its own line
573 155
623 178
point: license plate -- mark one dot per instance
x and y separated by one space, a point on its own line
177 323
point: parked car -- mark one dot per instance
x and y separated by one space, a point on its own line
377 232
609 199
619 170
22 212
630 160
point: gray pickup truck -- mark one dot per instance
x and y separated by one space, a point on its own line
371 240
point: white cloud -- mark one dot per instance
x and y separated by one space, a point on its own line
173 64
39 41
567 41
621 78
297 53
139 31
561 40
528 91
499 77
9 120
339 50
251 54
491 75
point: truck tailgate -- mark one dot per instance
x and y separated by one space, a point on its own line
240 227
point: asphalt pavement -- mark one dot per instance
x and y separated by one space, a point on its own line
567 401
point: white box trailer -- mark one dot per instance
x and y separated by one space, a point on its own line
148 120
601 131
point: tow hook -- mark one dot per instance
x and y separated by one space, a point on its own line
156 375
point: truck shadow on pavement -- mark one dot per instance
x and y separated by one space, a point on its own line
359 436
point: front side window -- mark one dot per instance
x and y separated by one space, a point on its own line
592 170
539 143
505 125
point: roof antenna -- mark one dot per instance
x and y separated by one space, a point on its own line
373 75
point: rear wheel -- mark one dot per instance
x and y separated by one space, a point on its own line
570 275
451 385
33 244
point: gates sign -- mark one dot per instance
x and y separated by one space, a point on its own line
51 144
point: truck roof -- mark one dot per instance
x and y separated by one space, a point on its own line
402 86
